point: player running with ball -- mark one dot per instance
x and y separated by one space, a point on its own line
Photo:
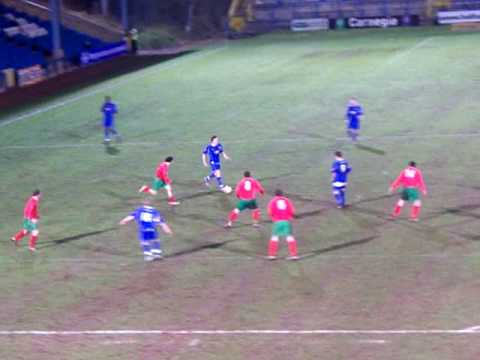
246 191
281 211
162 181
30 221
411 180
147 219
211 156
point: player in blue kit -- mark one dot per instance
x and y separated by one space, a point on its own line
340 170
109 110
148 218
211 157
353 116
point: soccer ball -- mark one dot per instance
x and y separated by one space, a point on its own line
227 189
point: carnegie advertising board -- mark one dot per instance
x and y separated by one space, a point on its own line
456 17
310 24
381 21
30 75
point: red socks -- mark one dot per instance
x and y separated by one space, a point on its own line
397 210
233 216
146 189
415 212
256 215
20 235
292 247
272 248
33 241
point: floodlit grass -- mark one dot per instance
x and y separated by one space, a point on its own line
277 102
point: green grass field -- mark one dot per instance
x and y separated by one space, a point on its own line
277 103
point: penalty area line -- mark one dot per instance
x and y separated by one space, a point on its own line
467 331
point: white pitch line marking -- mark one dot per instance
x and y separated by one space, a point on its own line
372 341
409 50
237 332
147 72
194 142
473 329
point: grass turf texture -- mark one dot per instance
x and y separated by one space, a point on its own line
277 103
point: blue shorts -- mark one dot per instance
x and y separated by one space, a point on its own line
354 126
148 235
215 166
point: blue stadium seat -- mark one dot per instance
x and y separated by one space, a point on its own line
21 51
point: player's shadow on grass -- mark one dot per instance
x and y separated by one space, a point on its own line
72 238
111 150
199 248
196 195
370 149
339 247
463 210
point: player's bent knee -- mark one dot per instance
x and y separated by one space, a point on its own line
290 238
168 187
236 211
401 203
217 173
274 238
417 203
35 232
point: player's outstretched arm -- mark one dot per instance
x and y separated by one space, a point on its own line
126 220
166 229
225 156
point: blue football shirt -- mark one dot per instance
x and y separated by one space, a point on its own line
147 219
354 112
213 153
340 169
109 109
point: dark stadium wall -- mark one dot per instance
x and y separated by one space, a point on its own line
207 14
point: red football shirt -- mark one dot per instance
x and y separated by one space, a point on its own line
162 172
31 208
248 188
281 209
411 177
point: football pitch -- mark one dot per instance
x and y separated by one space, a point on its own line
364 288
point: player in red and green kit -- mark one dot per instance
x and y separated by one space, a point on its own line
411 180
246 191
162 181
281 211
30 221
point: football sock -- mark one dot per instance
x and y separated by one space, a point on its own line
397 210
338 198
233 216
20 235
342 197
272 248
33 241
156 246
415 212
146 248
219 181
256 215
292 247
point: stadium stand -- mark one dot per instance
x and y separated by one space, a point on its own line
282 10
464 5
26 41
